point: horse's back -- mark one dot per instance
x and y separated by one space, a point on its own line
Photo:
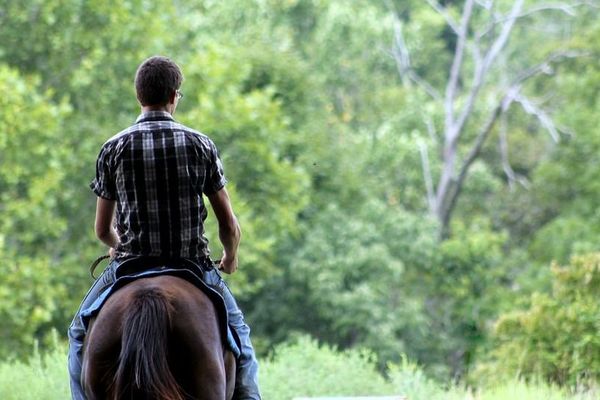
134 322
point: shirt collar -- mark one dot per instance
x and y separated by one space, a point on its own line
154 116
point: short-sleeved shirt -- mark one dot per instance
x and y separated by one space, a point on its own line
157 170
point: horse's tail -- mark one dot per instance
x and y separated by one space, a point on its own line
143 371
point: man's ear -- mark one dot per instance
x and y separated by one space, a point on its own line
173 97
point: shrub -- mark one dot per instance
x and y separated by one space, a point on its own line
558 337
302 368
306 369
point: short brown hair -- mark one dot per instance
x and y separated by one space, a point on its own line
156 79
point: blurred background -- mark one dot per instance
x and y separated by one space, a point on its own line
416 180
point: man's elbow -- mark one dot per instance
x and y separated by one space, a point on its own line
102 233
231 228
238 231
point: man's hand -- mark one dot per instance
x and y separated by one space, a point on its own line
228 264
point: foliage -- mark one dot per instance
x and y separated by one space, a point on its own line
557 336
30 174
430 300
348 268
305 369
469 286
298 368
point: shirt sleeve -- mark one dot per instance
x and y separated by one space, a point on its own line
104 182
215 176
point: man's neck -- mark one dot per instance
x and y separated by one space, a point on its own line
165 108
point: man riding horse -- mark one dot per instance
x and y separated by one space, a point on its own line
150 180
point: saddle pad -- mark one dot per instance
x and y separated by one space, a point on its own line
87 314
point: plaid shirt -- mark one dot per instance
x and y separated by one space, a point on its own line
157 171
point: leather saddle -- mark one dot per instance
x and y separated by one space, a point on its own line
131 269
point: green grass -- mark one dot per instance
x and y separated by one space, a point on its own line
42 377
302 369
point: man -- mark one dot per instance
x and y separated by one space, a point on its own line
150 179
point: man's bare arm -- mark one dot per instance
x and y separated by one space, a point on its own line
105 213
229 230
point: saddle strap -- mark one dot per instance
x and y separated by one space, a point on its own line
95 264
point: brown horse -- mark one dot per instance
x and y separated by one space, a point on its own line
157 338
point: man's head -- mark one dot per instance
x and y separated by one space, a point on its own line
157 81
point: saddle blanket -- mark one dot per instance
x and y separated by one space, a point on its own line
90 312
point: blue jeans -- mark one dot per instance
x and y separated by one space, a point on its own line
246 383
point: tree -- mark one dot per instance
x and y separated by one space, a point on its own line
348 268
473 106
30 224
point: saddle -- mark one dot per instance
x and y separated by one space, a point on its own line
134 268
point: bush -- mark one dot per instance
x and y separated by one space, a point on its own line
299 369
306 369
557 338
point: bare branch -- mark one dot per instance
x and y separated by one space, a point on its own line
503 144
488 59
427 176
508 170
530 108
565 8
400 51
431 129
483 134
487 4
480 140
546 65
500 42
568 9
457 63
402 57
444 13
477 58
431 91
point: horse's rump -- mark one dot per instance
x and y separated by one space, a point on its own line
157 338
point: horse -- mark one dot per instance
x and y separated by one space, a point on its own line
157 338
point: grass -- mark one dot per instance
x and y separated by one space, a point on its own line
42 377
301 369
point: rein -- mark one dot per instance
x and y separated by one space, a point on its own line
95 264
